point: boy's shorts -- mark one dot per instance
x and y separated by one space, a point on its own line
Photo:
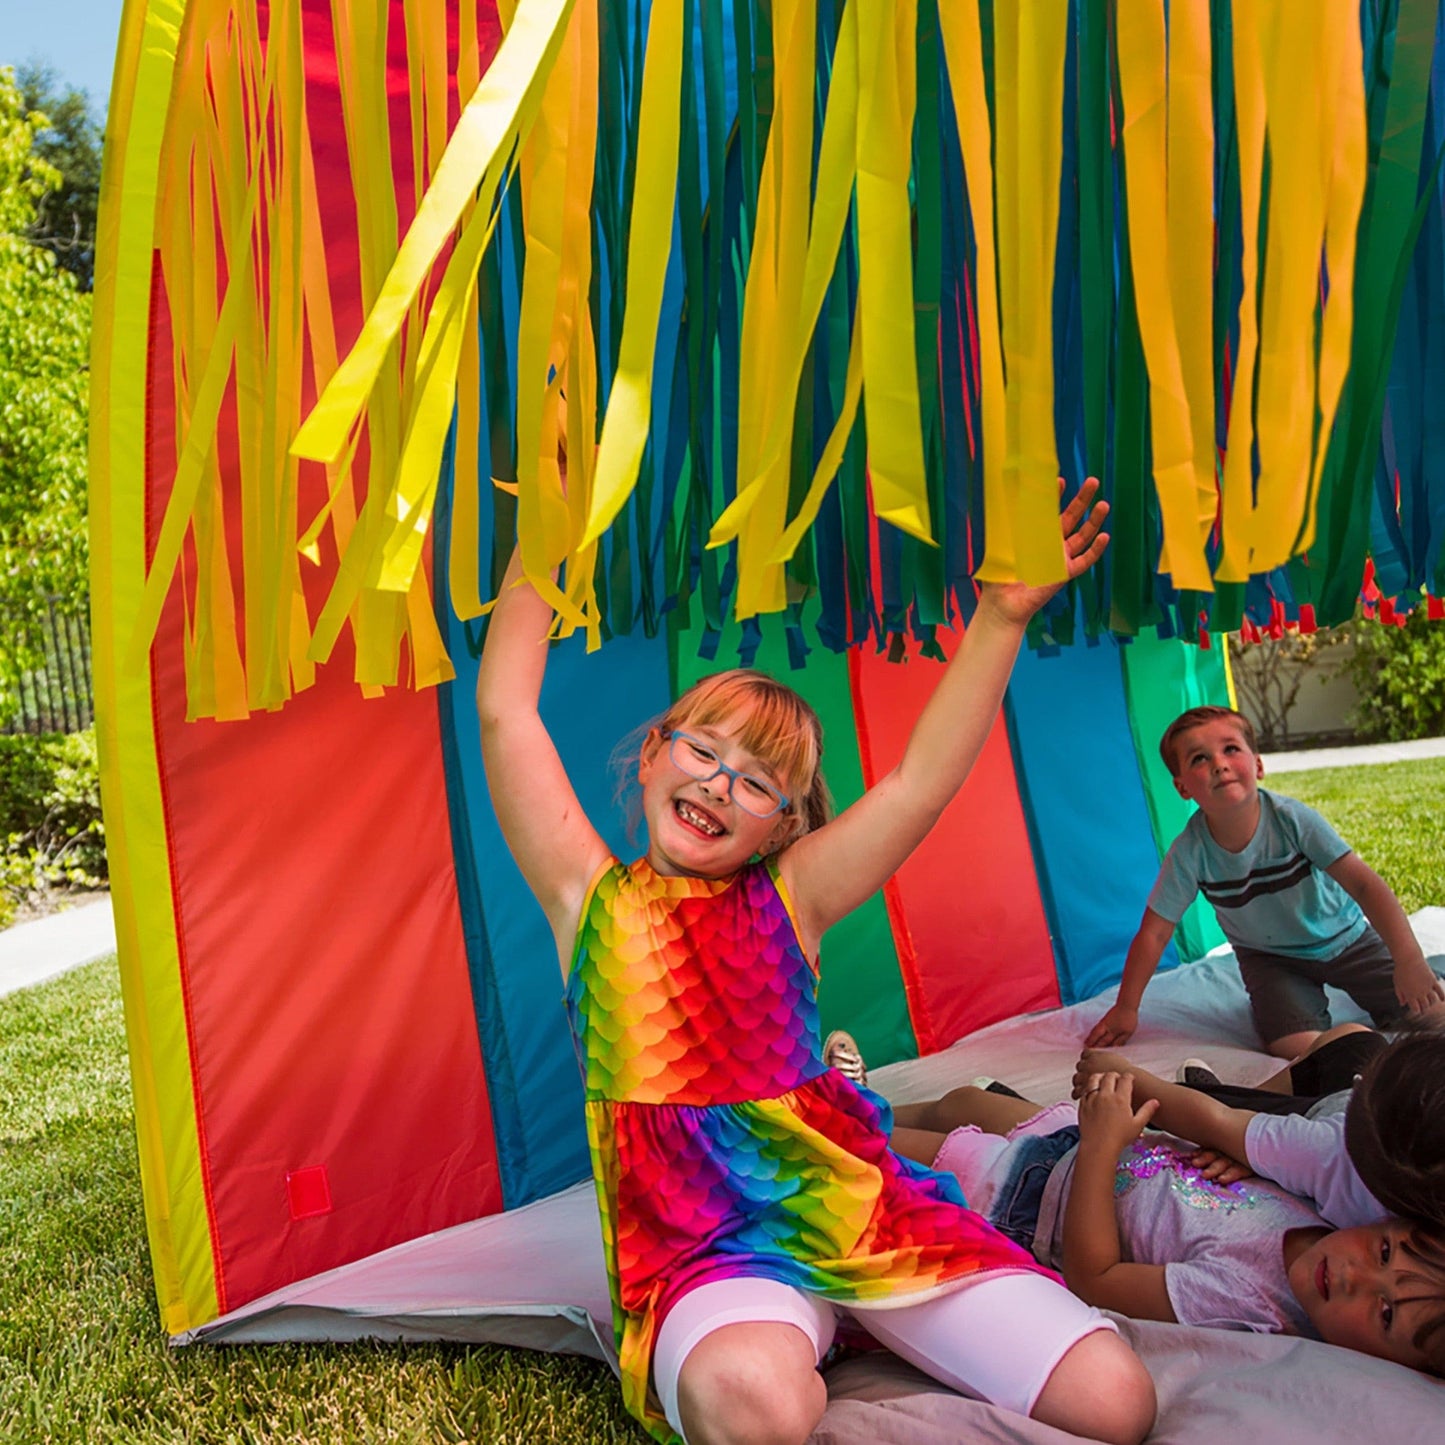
1287 995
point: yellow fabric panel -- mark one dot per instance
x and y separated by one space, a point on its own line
177 1218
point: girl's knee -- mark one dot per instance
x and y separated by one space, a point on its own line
751 1385
1101 1390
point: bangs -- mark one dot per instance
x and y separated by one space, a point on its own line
778 728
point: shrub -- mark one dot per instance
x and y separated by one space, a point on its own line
50 819
1400 674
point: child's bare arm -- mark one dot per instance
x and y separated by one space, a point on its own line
554 844
831 871
1416 986
1118 1025
1094 1267
1185 1112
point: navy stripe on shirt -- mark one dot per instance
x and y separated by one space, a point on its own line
1257 883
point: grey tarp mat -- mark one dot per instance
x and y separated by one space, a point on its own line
534 1277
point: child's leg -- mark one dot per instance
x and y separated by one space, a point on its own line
736 1361
993 1113
920 1145
1288 1005
1366 972
1024 1343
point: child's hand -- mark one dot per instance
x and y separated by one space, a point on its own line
1416 986
1115 1028
1108 1119
1220 1168
1084 544
1092 1063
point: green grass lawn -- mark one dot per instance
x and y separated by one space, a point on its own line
82 1355
1391 814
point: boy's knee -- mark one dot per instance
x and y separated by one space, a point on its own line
751 1391
1101 1390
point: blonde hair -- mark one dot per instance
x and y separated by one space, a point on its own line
779 728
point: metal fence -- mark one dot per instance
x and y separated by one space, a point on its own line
55 695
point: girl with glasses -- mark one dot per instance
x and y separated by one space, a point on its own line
749 1199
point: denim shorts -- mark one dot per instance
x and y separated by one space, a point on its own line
1015 1210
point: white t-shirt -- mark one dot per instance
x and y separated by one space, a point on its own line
1307 1157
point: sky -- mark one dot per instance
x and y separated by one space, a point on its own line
75 38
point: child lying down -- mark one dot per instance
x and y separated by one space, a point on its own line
1136 1228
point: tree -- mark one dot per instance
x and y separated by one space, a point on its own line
70 141
44 363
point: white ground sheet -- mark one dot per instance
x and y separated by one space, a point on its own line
534 1277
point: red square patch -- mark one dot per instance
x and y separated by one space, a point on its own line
308 1192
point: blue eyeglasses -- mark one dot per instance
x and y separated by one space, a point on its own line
752 794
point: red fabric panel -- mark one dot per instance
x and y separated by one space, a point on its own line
323 963
972 936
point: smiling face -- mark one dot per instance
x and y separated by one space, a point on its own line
1366 1289
696 827
1215 767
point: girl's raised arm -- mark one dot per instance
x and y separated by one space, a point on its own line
554 844
831 871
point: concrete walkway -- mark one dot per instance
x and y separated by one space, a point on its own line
1354 756
33 952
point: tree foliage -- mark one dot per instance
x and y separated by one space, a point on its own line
1400 675
44 363
70 142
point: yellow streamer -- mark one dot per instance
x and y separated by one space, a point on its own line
523 61
1346 196
1237 502
885 271
773 339
1142 82
836 169
963 49
629 407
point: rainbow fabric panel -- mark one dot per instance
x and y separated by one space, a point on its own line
722 1146
344 1007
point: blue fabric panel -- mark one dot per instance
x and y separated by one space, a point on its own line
588 703
1088 818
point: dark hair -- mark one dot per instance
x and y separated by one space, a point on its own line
1426 1249
1197 717
1395 1125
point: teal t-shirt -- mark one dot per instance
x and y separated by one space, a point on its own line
1273 896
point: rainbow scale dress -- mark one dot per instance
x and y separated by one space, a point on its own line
721 1143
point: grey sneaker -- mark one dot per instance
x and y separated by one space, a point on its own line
1196 1074
840 1051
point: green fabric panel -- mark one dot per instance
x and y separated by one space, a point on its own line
1163 678
861 986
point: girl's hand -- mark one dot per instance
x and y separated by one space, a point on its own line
1084 544
1220 1168
1108 1119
